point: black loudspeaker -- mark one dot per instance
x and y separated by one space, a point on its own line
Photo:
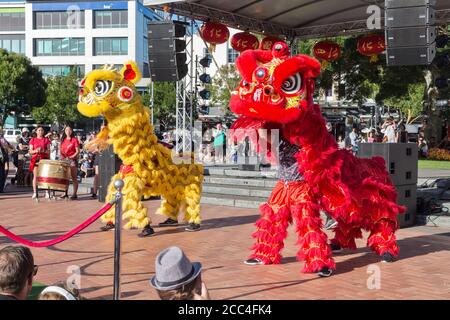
410 56
168 74
108 166
404 37
164 60
167 61
410 32
408 3
410 17
166 29
166 45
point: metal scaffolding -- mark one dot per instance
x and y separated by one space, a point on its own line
185 96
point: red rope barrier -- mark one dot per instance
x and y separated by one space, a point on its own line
62 238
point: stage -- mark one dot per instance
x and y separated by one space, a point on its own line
421 271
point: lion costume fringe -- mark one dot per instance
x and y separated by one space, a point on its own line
148 169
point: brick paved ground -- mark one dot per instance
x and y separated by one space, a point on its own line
420 273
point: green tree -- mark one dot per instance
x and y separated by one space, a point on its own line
356 76
411 102
226 79
164 107
62 98
21 85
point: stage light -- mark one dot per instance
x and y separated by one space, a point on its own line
206 61
205 94
205 78
203 109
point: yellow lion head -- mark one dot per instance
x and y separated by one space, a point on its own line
109 92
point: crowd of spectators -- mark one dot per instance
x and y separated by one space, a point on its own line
33 146
176 277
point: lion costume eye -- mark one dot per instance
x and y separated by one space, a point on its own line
102 87
293 84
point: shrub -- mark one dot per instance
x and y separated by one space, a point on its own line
439 154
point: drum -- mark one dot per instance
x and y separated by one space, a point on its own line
53 175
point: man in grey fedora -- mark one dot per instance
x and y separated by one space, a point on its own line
177 278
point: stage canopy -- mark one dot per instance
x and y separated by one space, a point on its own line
293 18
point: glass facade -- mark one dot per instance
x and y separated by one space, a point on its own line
59 47
61 70
99 66
13 43
58 20
111 19
12 19
110 46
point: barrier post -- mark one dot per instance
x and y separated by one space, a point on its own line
118 184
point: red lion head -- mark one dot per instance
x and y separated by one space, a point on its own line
275 87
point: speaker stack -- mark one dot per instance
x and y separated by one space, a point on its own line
410 32
402 164
167 59
108 166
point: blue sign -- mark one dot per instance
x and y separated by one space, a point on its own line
111 5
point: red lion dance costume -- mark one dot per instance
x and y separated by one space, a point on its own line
276 92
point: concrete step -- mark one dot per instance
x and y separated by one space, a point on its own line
240 173
251 182
232 201
247 191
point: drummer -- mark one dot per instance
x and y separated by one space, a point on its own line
70 150
39 149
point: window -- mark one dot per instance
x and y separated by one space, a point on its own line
58 20
111 19
12 19
63 70
59 47
146 71
13 43
100 66
232 55
110 46
145 49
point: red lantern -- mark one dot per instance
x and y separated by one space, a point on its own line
327 51
268 42
372 45
214 33
243 41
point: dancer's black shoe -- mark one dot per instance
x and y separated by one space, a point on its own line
325 272
192 227
109 226
387 257
146 232
335 247
253 262
169 223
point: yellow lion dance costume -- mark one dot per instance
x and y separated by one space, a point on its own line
147 169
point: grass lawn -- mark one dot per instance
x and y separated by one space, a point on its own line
36 290
434 164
